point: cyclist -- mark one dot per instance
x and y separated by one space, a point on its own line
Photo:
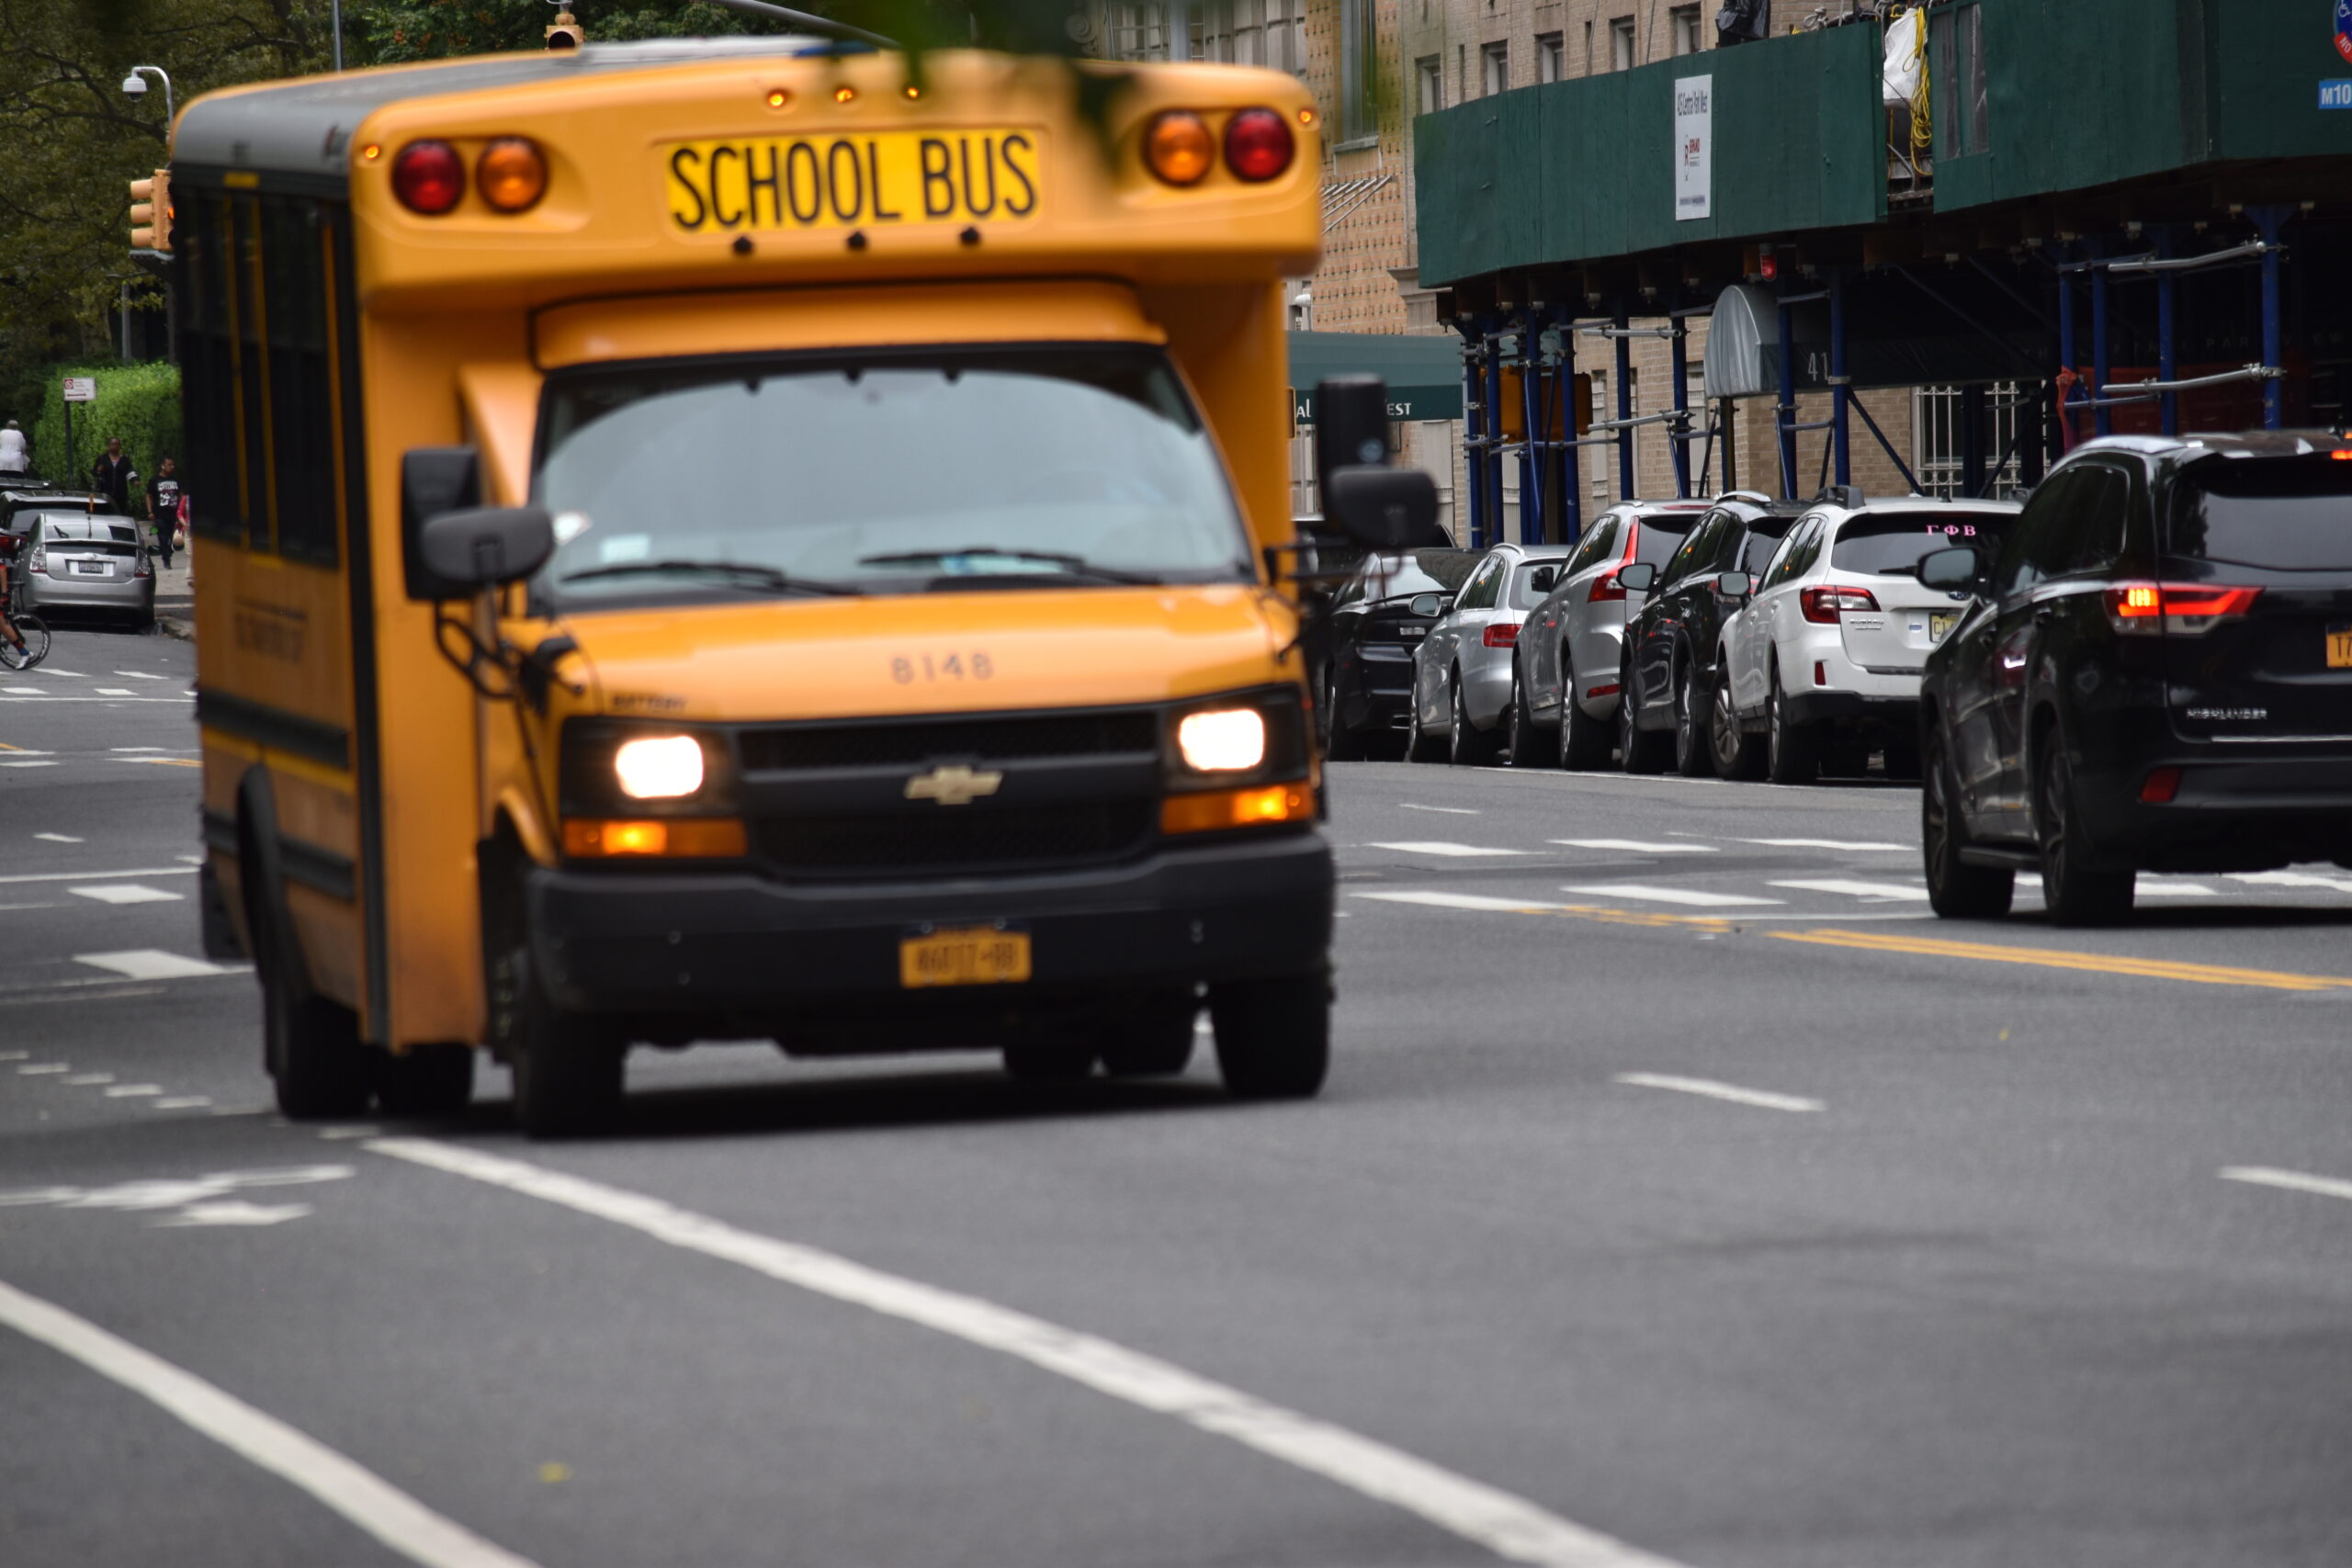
8 633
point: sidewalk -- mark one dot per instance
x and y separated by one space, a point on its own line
175 599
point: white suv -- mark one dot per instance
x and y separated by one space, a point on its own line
1822 665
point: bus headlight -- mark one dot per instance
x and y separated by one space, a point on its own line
1222 740
661 767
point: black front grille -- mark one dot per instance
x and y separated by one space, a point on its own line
990 738
955 839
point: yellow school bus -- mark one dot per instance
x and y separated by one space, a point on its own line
724 540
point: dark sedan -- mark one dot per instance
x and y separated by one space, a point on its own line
2154 674
1377 620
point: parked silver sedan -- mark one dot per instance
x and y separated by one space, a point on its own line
91 562
1462 671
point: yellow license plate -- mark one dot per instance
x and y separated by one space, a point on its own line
2339 648
967 955
871 179
1941 623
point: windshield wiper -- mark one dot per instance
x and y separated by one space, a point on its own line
747 572
1075 566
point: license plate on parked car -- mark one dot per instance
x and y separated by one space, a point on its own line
1941 623
91 569
2339 648
964 955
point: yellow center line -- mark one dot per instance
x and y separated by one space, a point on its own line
2059 958
5 747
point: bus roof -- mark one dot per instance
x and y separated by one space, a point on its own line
302 128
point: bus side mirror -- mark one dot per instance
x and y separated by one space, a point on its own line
433 480
1383 509
489 547
1954 570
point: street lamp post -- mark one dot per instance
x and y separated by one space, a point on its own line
135 86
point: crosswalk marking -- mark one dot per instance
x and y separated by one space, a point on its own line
151 963
2292 879
1690 897
124 893
1439 847
1827 844
1853 889
1636 846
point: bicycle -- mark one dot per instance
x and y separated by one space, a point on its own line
29 626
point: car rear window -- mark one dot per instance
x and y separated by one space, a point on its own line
1420 571
2287 513
1764 536
1524 593
1892 544
72 531
1662 536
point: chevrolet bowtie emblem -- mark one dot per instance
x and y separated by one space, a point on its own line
956 786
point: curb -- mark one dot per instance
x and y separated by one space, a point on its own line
172 626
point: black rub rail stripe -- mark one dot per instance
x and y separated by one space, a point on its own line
275 728
321 870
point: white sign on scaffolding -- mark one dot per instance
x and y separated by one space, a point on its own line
1694 147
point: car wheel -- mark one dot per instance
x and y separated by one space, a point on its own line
1739 755
1341 744
1585 741
1421 746
1154 1041
428 1081
1273 1037
1638 750
1956 890
1467 746
1525 740
1792 755
1692 757
2075 892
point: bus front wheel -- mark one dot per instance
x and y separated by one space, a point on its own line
569 1071
1273 1037
313 1053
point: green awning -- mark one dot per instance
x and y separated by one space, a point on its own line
1423 372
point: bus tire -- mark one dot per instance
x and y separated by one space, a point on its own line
429 1081
1273 1037
568 1069
313 1053
1152 1042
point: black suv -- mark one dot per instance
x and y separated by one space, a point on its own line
1377 619
1668 674
2156 674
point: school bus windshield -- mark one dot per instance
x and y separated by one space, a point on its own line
900 472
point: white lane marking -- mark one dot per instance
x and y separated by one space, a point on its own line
2291 1180
125 892
27 764
232 1211
1439 847
32 695
1828 844
1855 889
331 1134
58 838
1762 1098
28 751
2292 879
23 691
130 749
100 876
1638 846
361 1496
134 1091
2148 887
138 674
13 1056
150 963
1509 1526
43 1069
116 691
1448 811
182 1102
82 1079
1687 896
69 674
1463 901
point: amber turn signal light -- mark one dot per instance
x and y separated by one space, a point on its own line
1215 810
1257 144
676 838
1178 148
511 174
429 177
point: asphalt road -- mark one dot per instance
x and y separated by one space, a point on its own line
1684 1194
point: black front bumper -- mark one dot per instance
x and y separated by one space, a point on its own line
736 953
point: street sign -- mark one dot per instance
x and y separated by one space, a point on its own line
2343 28
81 389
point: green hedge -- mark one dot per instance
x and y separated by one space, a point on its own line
141 403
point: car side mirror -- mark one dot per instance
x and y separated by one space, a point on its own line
487 547
1543 579
1381 508
1429 606
433 480
1955 571
1735 584
1638 577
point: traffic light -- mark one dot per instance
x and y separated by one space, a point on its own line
150 212
563 32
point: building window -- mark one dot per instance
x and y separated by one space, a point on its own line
1547 56
1683 23
1621 44
1494 64
1432 78
1248 32
1936 451
1359 72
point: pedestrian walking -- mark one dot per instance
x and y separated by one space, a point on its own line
14 456
112 477
164 508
